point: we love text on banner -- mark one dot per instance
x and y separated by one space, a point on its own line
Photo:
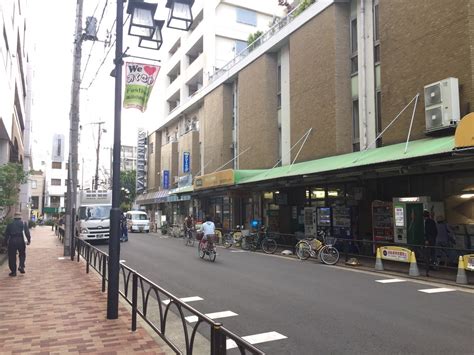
140 79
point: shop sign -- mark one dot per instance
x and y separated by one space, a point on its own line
395 254
186 162
399 216
469 262
185 181
219 178
166 179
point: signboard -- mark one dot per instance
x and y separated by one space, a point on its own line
186 162
139 82
185 180
220 178
399 216
166 179
140 184
395 254
469 262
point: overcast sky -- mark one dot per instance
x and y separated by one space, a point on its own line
52 57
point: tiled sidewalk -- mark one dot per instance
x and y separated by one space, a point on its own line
56 308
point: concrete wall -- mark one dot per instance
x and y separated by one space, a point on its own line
216 129
169 161
320 84
257 113
189 142
423 42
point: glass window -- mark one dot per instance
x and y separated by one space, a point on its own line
355 120
56 165
33 184
55 182
94 212
246 17
240 46
354 36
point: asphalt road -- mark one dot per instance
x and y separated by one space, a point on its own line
307 307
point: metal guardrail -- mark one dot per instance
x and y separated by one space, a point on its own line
147 301
258 42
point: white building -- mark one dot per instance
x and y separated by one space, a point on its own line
56 179
220 30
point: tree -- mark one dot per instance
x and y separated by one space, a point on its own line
127 189
253 37
11 176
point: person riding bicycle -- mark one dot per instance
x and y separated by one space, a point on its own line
188 223
207 228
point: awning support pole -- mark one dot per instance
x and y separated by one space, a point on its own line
302 145
411 122
381 133
238 155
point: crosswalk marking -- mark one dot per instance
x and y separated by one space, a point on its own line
216 315
186 299
257 339
437 290
389 281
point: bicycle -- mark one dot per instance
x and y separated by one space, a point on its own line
176 231
207 248
189 237
260 239
232 238
314 247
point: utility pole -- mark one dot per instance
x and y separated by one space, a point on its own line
74 135
96 177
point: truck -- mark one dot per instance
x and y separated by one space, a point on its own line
93 214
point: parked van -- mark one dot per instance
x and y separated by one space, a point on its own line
137 221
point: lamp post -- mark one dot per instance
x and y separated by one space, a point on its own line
144 26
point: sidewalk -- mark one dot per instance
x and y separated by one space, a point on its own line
55 307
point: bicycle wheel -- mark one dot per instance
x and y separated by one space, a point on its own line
212 255
329 255
228 241
269 245
246 243
202 253
303 250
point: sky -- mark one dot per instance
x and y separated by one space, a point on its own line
52 57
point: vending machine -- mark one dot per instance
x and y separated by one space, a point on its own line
310 221
382 221
341 222
323 220
408 221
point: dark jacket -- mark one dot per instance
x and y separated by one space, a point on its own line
15 229
431 231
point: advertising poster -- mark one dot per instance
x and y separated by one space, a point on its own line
166 179
139 82
186 162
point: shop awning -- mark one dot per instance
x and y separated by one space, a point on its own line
181 190
153 197
391 153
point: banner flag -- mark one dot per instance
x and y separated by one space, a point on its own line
140 79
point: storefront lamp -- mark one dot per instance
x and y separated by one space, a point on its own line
467 196
156 40
142 23
181 16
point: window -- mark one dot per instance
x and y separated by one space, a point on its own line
378 115
56 165
246 17
240 46
55 182
279 87
35 202
65 182
355 124
376 33
55 201
353 39
34 184
151 148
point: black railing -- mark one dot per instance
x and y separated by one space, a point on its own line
153 304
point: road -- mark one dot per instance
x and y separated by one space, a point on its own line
295 307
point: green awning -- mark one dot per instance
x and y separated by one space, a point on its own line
182 190
390 153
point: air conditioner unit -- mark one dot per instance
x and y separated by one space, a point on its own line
442 104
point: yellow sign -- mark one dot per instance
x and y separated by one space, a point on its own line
464 136
395 254
219 178
469 262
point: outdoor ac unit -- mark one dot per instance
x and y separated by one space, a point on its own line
442 104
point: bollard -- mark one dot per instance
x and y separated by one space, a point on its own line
413 266
218 340
461 277
134 301
378 261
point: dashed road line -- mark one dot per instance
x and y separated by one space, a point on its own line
437 290
216 315
186 299
257 339
389 281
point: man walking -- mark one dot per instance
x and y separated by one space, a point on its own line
431 232
16 242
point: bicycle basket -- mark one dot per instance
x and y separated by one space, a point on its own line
199 235
330 240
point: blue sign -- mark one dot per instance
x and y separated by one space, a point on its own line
166 179
186 162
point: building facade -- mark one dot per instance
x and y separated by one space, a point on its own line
329 116
56 179
37 184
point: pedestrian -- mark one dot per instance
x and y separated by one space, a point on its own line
431 231
16 243
444 238
124 228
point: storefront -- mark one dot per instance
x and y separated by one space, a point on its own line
155 204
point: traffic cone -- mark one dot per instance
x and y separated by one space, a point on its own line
413 266
378 261
461 277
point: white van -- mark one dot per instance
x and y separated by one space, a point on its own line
137 221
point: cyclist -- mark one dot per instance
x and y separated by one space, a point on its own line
207 228
188 226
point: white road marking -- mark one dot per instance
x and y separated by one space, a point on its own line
238 251
123 260
389 281
257 339
186 299
62 258
437 290
216 315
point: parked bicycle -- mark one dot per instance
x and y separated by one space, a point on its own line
232 238
317 247
207 247
261 239
176 231
189 237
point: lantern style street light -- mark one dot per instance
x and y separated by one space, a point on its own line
143 25
181 16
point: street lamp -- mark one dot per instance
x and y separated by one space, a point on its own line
143 25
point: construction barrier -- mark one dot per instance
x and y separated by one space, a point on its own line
399 254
